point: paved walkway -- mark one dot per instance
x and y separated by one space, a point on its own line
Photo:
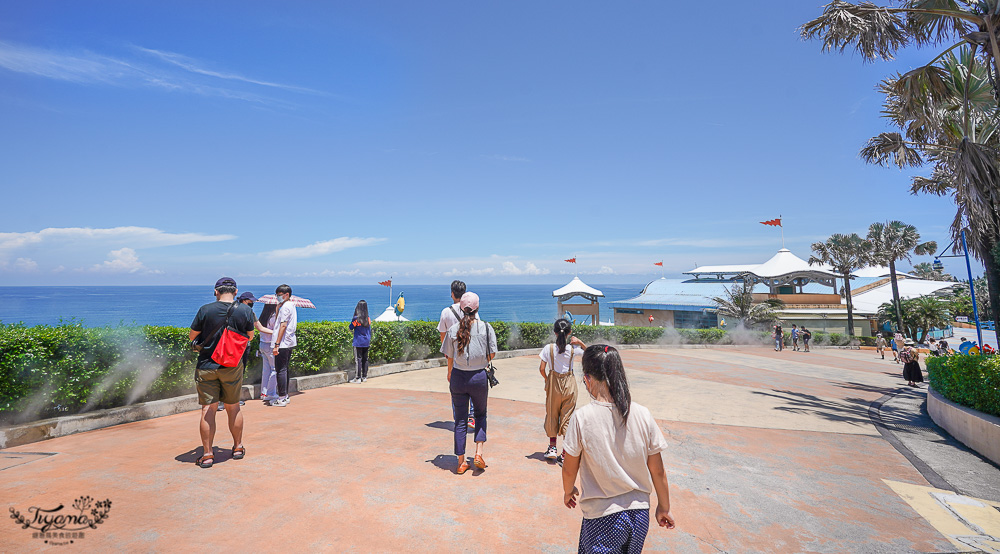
770 452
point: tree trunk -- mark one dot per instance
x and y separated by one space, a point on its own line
895 295
850 306
993 285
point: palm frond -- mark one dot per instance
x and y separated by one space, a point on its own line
873 31
891 149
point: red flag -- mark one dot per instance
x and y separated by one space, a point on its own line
659 264
386 283
571 260
773 222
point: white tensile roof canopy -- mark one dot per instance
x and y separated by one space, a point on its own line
781 266
576 287
390 315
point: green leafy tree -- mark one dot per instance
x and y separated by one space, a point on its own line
845 254
738 304
893 241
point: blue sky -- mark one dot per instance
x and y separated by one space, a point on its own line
329 143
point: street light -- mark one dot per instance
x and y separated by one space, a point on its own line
937 265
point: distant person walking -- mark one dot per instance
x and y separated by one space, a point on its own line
361 324
469 345
795 338
933 347
779 339
450 316
614 445
268 374
560 383
898 342
806 334
911 366
284 341
213 382
880 345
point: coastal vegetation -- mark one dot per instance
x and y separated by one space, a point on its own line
48 371
919 315
891 242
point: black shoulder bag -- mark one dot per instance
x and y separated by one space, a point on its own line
490 370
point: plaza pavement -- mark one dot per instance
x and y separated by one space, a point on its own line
769 452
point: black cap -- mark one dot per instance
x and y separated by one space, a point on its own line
225 282
247 296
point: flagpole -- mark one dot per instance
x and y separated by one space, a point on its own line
390 290
782 227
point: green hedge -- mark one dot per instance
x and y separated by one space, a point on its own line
52 370
972 381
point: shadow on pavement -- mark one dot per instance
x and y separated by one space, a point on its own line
796 402
540 456
446 425
191 456
447 462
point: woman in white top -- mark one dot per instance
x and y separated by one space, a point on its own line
268 376
469 345
614 444
560 383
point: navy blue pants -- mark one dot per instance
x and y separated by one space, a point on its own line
624 532
466 386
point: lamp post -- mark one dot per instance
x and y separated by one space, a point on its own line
937 265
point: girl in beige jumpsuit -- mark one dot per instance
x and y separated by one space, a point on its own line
560 383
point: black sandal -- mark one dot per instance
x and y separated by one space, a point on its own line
205 461
239 452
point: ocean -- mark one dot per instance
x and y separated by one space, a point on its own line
176 305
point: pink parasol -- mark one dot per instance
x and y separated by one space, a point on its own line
297 301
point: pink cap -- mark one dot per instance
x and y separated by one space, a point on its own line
469 301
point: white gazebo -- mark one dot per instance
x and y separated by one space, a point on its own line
576 287
390 315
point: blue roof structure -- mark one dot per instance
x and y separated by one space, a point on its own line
695 295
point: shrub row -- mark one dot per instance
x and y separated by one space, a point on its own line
53 370
972 381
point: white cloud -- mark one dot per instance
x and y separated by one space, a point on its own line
169 71
605 270
322 248
137 237
509 268
25 264
124 260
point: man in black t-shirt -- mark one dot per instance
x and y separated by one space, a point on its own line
214 382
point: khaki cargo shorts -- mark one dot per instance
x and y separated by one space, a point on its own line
219 385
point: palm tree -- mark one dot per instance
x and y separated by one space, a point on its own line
845 254
947 108
892 241
926 271
738 304
926 313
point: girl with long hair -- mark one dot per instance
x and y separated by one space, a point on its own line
361 324
560 382
614 445
469 346
268 374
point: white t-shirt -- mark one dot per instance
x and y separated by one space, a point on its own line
561 363
287 313
613 472
448 317
267 338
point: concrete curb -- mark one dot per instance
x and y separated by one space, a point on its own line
978 431
36 431
875 415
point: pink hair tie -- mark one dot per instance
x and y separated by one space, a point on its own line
605 349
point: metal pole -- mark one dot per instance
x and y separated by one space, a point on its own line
972 291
